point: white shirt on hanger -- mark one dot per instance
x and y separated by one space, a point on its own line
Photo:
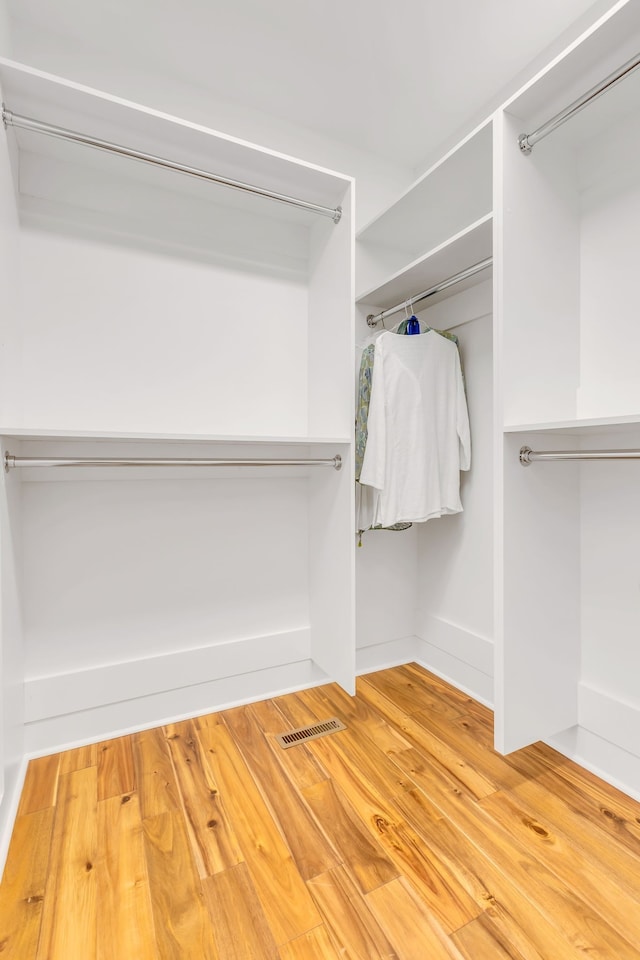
418 428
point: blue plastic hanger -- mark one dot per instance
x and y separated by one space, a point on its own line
413 324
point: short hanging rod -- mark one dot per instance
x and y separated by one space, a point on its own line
10 462
527 141
61 133
527 455
374 319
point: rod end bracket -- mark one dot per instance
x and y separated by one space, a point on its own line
371 320
525 456
337 462
337 215
523 143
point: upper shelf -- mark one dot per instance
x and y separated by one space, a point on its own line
36 433
449 200
466 248
63 103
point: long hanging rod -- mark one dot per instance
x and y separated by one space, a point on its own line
61 133
10 462
374 319
527 455
526 141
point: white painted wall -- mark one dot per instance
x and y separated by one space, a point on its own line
139 340
455 568
117 571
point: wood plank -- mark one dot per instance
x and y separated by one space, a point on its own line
213 841
423 677
287 905
181 920
314 945
302 767
514 915
23 885
412 694
125 919
447 761
40 785
240 928
580 925
309 846
600 806
448 900
353 929
482 939
115 768
70 905
409 925
155 777
79 758
572 862
363 857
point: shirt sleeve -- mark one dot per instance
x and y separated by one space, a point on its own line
374 462
462 419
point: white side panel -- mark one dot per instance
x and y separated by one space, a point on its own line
11 670
332 570
540 280
330 326
538 657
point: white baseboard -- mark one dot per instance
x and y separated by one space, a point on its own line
392 653
457 655
88 705
14 781
606 740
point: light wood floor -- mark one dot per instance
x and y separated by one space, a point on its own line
404 837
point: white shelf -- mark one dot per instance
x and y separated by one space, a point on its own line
470 246
584 426
34 433
62 102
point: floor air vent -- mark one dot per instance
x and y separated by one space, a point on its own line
310 733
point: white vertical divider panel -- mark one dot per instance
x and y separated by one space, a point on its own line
11 656
331 320
537 527
11 716
538 652
332 569
331 493
540 280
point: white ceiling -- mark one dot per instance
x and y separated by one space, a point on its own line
393 78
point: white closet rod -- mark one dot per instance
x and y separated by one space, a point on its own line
527 455
10 462
61 133
374 319
526 141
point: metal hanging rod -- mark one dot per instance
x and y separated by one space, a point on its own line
374 319
61 133
527 141
11 462
527 455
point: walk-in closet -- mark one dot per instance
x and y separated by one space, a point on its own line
196 278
